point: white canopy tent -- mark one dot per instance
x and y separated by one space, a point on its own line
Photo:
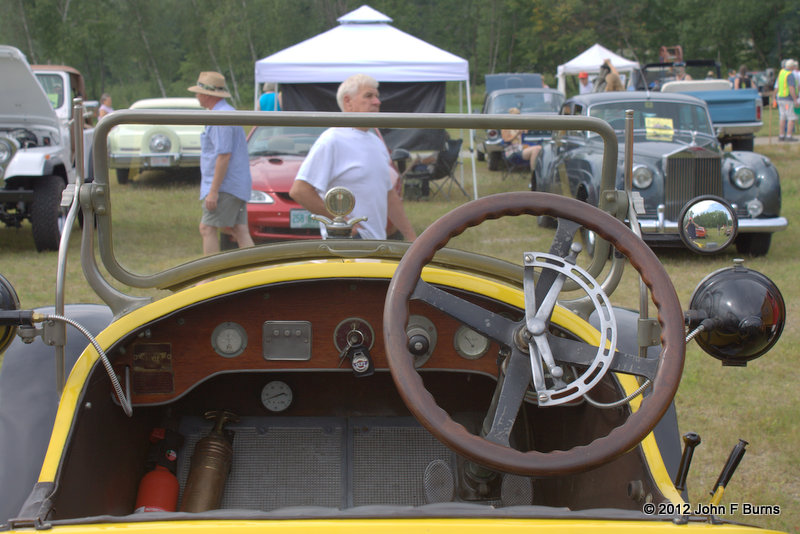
364 42
590 61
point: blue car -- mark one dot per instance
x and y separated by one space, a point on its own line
676 158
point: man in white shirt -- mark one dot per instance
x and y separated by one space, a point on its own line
357 159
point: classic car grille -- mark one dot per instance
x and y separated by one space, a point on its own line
688 177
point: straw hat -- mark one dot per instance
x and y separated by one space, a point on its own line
210 83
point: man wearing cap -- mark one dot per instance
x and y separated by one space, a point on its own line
585 86
224 169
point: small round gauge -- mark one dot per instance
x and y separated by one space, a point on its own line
229 339
276 396
470 344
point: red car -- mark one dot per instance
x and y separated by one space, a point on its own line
276 153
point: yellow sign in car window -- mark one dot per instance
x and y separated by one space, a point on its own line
658 128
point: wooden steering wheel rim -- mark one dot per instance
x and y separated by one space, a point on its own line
534 463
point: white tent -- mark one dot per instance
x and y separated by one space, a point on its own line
590 61
364 42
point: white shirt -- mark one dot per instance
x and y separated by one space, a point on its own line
359 161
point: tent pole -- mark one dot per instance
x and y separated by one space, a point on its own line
472 145
255 97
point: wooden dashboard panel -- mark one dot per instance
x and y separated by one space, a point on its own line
170 356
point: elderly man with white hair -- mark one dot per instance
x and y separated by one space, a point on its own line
355 158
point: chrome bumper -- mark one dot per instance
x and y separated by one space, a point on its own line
153 161
771 224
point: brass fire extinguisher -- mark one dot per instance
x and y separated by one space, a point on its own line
211 463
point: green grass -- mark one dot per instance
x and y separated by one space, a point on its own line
156 225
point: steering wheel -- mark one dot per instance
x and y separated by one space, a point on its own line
493 450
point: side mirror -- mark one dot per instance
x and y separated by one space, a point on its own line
708 225
742 313
9 302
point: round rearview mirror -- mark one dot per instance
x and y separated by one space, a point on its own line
8 302
743 313
708 224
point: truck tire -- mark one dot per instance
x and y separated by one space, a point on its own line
123 176
47 217
747 144
756 244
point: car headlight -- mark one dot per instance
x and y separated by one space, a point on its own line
744 177
642 176
755 208
160 143
260 197
7 149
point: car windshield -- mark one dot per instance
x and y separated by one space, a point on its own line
527 102
53 87
282 140
657 120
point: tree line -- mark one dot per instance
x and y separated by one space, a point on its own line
135 49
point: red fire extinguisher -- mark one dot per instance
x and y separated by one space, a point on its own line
159 487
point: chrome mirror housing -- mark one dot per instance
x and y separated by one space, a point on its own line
708 225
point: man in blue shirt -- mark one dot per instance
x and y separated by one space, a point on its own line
224 169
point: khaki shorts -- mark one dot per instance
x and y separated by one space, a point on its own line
230 211
786 108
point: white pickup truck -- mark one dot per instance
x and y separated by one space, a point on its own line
37 152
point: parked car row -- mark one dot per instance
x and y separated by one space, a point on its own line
677 157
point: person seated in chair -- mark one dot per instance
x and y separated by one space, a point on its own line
516 150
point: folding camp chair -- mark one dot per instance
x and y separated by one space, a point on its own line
440 175
513 161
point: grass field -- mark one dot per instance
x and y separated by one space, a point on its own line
156 225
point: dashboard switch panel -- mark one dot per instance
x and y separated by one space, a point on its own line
287 340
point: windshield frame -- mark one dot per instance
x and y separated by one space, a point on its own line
95 197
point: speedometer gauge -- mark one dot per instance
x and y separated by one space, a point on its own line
276 396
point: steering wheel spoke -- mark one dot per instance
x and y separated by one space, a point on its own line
488 323
571 352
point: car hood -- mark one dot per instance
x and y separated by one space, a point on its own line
658 149
24 101
274 173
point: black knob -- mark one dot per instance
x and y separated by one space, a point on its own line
418 345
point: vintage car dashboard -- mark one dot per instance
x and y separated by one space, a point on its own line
305 325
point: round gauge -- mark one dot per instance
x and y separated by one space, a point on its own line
229 339
470 344
276 396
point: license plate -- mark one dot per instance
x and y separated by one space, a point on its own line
161 162
302 219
